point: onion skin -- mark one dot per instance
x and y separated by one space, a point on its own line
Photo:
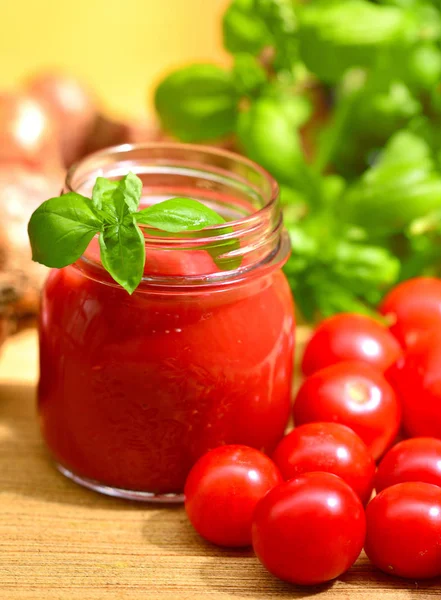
27 132
73 108
109 132
21 190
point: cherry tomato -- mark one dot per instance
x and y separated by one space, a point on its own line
329 447
417 459
417 380
309 530
404 530
355 395
27 133
223 489
72 106
351 337
414 308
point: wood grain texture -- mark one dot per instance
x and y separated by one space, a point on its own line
61 542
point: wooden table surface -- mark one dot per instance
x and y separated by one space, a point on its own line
59 541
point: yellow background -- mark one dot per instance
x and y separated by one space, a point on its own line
120 47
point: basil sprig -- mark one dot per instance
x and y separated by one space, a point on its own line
61 228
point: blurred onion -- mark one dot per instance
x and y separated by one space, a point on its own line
21 191
72 106
109 132
27 132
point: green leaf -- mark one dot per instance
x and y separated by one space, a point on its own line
121 242
389 103
185 214
198 103
389 106
280 19
296 108
421 70
219 252
404 148
179 214
243 30
331 136
401 187
425 14
103 191
123 253
267 134
61 229
336 35
366 265
115 199
249 76
130 188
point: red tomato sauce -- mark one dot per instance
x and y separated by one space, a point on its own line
134 389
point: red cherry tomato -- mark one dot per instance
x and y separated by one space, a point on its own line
404 530
309 530
72 106
354 395
327 447
27 133
223 489
417 459
417 380
351 337
414 308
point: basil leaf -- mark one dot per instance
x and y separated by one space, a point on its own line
123 253
269 138
402 186
249 75
197 103
116 199
243 30
339 34
122 242
130 187
179 214
268 135
184 214
103 191
280 19
61 229
422 69
216 251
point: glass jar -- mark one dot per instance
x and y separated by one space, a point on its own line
134 389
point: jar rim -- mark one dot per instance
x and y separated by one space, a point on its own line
173 146
258 237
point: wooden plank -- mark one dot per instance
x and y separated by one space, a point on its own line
61 542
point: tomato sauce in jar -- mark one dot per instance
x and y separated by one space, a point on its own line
134 389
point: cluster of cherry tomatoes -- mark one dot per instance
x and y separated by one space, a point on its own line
307 511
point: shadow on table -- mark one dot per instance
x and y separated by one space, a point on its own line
25 466
239 573
363 574
170 530
247 578
236 572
